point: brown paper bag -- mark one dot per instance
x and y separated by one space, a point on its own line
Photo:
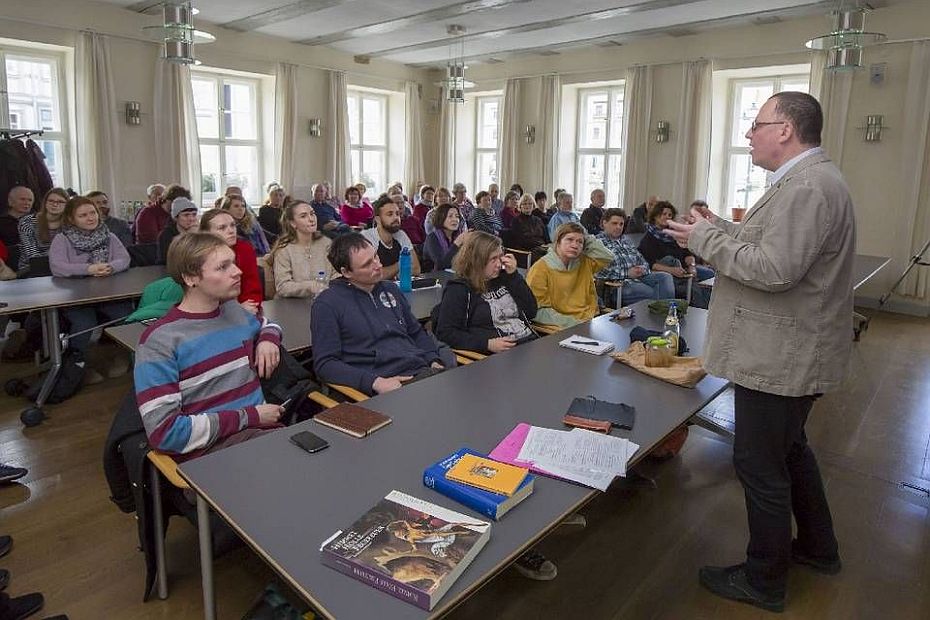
684 371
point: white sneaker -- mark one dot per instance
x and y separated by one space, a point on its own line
534 565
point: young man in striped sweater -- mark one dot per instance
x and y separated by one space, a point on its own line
197 369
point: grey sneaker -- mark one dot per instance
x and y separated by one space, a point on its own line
534 565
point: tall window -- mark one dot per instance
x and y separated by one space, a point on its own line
229 125
599 156
487 142
745 183
368 140
32 97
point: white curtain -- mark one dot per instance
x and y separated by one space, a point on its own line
448 113
338 162
285 124
177 151
414 170
547 132
692 148
98 121
833 90
638 118
915 176
509 138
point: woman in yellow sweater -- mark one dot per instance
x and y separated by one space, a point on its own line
563 281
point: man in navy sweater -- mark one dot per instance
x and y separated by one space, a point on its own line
364 334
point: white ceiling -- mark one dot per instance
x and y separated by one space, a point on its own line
415 31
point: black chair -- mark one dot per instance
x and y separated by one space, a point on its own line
143 254
12 260
37 268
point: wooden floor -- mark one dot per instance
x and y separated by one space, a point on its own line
638 557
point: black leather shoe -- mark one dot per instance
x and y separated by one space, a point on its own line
6 543
21 606
4 578
731 582
821 565
8 473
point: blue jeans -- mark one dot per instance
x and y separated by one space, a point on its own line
655 285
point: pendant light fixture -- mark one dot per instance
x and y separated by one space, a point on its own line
177 32
845 42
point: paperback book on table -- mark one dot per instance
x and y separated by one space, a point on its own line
412 549
490 504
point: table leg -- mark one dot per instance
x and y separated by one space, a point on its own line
160 561
620 295
50 323
206 559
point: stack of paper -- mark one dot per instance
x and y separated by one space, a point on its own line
587 345
582 456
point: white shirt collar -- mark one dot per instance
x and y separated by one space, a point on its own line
785 167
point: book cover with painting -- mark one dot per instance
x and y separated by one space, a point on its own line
407 547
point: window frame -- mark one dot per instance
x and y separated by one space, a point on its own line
361 147
60 101
222 142
607 151
480 102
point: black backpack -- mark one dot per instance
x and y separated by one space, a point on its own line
69 381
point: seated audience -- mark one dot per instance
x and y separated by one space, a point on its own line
85 247
154 217
269 214
443 197
488 307
528 231
353 211
327 216
115 225
183 220
364 333
563 281
542 209
388 239
496 203
461 201
198 367
483 217
246 225
425 203
509 210
516 187
637 223
361 190
564 215
221 224
629 266
408 222
19 204
299 255
664 254
447 237
591 217
153 193
36 230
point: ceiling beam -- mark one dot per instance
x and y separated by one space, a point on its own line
281 13
392 25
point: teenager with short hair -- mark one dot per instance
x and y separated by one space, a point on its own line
183 220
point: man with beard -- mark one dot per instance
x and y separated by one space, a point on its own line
388 238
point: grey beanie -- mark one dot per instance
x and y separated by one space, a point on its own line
181 204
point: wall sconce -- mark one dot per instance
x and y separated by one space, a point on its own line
873 128
133 113
529 134
316 127
662 129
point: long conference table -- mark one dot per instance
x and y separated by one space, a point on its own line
284 502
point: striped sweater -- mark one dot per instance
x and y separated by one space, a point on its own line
195 377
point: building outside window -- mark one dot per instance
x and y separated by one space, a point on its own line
599 152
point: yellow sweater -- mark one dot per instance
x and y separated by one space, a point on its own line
566 295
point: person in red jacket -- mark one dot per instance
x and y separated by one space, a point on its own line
155 217
222 224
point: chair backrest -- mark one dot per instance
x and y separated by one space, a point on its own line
143 254
634 238
38 267
12 260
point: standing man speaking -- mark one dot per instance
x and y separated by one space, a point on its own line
779 329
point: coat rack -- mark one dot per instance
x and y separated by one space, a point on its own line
15 134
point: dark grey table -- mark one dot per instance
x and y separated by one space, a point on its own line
48 294
285 502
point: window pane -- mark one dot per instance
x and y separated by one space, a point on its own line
374 123
373 172
242 171
353 119
53 160
210 174
590 177
749 98
746 183
206 107
487 169
616 118
239 111
488 128
800 85
32 92
356 156
594 121
614 185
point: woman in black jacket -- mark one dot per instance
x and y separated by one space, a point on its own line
488 307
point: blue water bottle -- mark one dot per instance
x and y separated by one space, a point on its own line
405 274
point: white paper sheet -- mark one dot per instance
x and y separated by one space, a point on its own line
580 455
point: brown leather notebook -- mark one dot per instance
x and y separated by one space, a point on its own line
601 426
352 419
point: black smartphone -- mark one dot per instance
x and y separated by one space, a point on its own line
309 442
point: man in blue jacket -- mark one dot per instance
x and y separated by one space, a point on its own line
364 334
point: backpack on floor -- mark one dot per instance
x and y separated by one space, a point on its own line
69 381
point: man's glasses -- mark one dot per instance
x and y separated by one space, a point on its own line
756 124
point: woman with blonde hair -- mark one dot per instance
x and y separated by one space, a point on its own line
298 258
488 307
246 224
